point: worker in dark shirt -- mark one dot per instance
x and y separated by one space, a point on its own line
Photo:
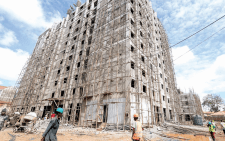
53 126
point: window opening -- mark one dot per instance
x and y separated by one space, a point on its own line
143 73
76 77
89 40
65 80
68 68
78 64
132 65
86 63
56 82
132 49
132 11
143 59
144 88
142 46
81 91
87 51
62 93
70 57
53 94
74 90
72 48
132 35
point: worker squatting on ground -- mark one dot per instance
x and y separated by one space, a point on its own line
137 129
212 130
3 119
53 126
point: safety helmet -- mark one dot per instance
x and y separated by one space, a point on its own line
210 123
60 110
135 115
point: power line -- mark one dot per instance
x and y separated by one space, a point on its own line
199 44
198 31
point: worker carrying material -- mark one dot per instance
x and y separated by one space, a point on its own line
137 129
212 130
53 126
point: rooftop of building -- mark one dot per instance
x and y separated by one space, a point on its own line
2 87
4 102
208 112
220 113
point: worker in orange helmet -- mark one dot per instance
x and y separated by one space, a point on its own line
137 129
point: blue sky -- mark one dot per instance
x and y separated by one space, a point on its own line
202 69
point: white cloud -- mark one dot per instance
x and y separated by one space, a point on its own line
177 52
1 83
12 63
205 77
29 12
7 37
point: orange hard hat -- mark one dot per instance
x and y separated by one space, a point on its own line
136 115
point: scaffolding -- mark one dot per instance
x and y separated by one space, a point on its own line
107 60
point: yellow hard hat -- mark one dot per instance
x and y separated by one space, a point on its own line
136 115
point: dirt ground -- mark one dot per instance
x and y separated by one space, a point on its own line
191 137
5 136
219 137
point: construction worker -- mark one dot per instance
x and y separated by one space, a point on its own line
223 125
214 124
3 119
212 130
137 129
53 115
53 126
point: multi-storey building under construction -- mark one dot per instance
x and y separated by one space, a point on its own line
105 61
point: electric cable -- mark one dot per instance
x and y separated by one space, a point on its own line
198 31
199 44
